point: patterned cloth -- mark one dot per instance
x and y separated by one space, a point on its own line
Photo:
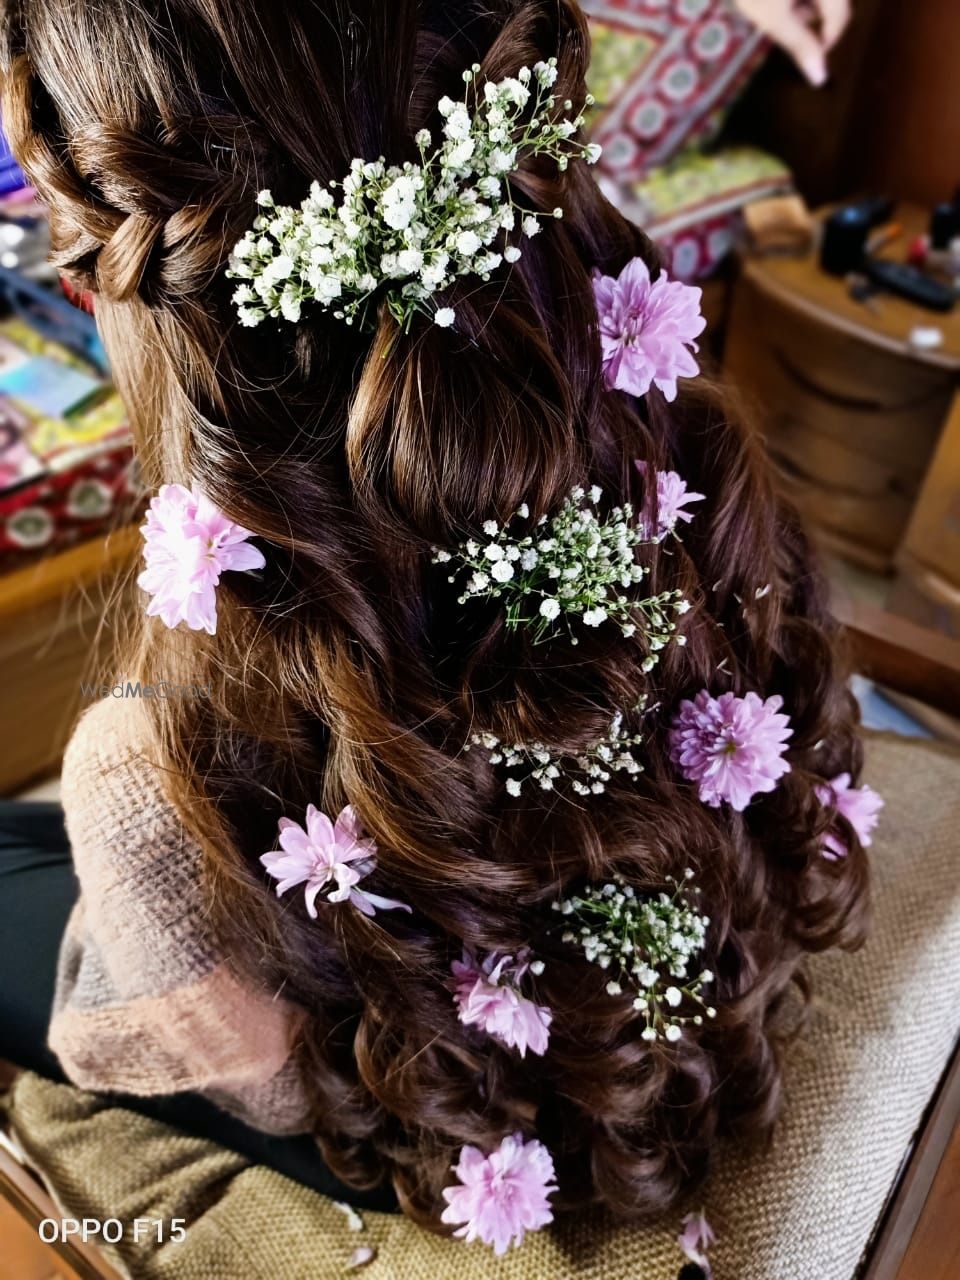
58 510
691 207
883 1027
664 73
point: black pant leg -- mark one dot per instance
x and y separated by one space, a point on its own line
37 891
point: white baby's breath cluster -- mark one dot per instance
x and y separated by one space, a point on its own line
414 227
579 563
649 944
588 769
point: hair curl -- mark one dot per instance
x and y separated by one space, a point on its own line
348 673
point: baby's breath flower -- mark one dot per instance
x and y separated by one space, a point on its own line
578 563
651 943
415 227
588 768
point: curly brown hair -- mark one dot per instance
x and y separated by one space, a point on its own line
347 672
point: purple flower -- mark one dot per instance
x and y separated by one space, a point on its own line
325 853
672 496
732 747
488 995
859 805
502 1195
696 1238
188 544
646 328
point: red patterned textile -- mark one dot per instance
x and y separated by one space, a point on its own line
664 73
60 509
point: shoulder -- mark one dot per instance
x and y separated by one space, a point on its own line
140 872
111 748
146 1002
120 822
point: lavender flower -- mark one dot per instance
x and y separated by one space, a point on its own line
647 329
188 544
672 497
325 853
502 1196
488 995
696 1238
859 805
731 747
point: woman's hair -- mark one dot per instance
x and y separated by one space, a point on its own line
348 673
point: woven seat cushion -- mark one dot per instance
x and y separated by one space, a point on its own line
883 1028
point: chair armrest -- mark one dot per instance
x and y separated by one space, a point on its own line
30 1200
909 659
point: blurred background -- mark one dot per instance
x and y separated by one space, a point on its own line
800 161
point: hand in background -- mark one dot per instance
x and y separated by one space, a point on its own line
806 29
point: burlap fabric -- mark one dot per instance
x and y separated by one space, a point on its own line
883 1028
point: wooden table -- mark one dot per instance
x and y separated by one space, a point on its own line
853 412
58 622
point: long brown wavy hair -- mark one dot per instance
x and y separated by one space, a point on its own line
347 672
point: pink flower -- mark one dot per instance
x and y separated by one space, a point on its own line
696 1238
672 496
503 1195
488 996
324 853
732 747
646 327
188 544
859 805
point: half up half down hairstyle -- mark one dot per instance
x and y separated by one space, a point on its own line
348 673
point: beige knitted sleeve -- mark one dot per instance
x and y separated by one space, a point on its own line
145 1003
